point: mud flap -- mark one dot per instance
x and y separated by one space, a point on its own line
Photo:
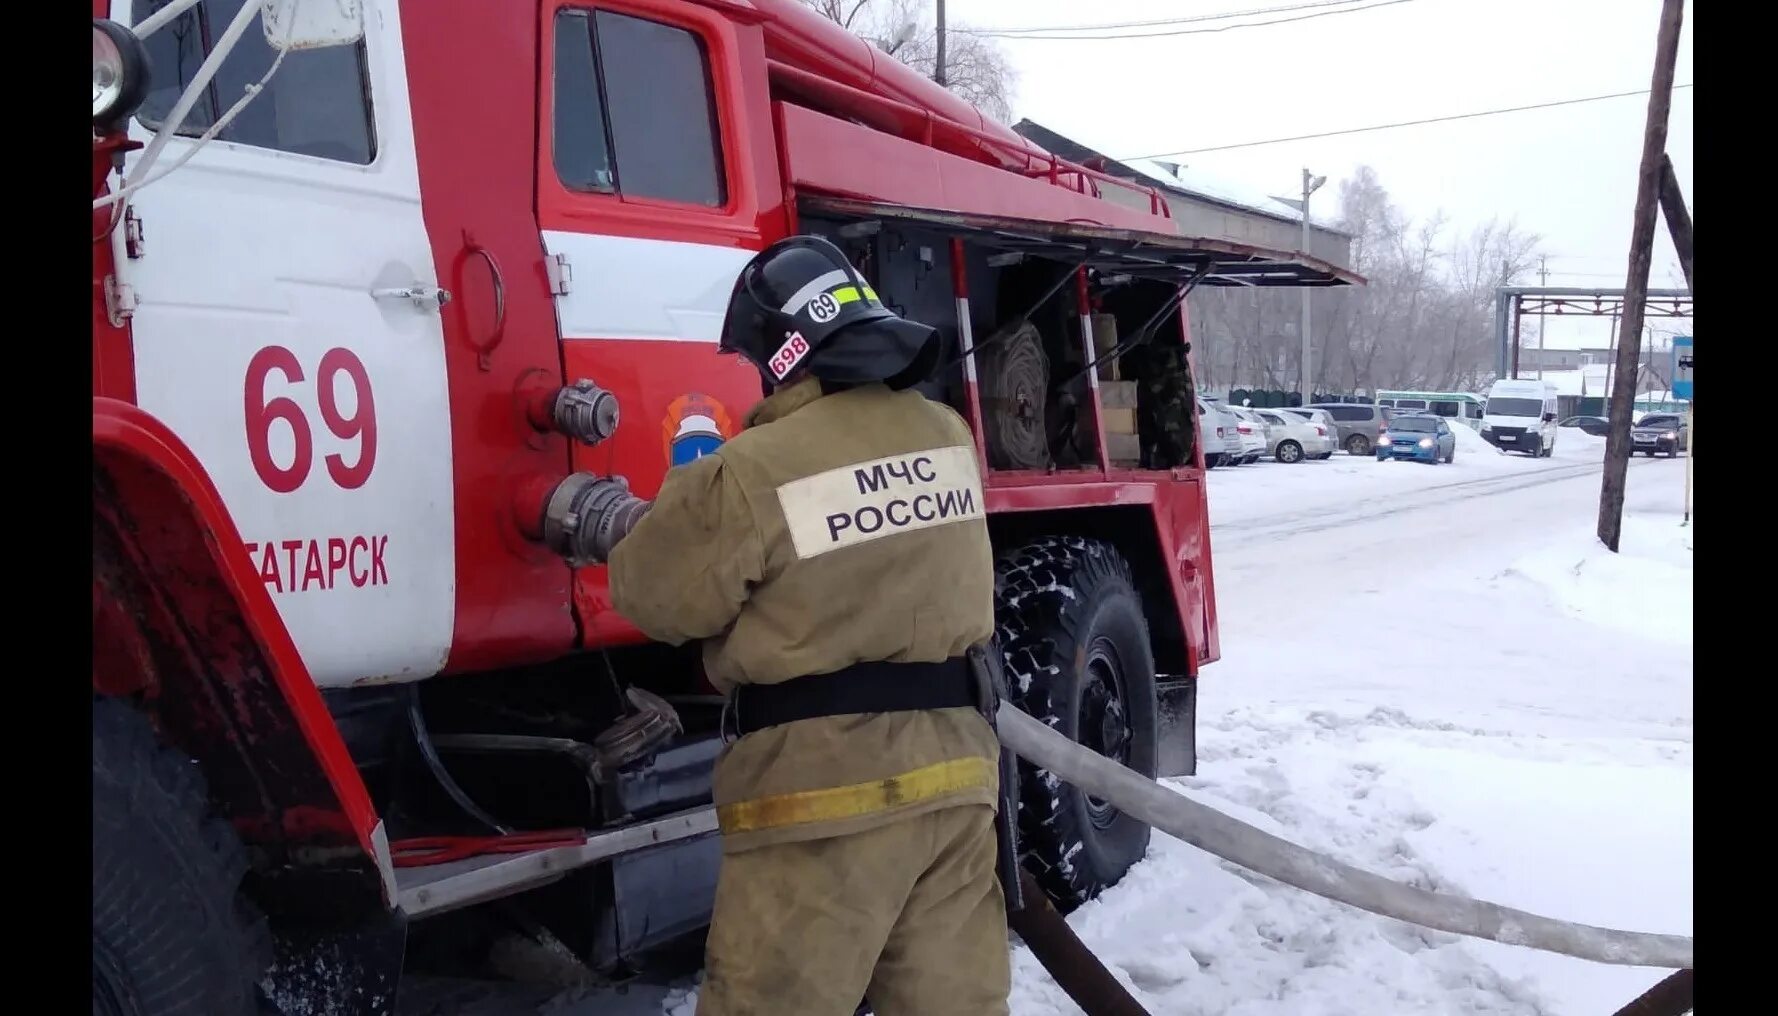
1176 717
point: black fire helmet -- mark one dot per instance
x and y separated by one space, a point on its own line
799 304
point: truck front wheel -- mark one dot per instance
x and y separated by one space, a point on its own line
1077 657
171 933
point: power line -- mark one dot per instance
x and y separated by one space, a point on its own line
1018 35
1392 126
1160 22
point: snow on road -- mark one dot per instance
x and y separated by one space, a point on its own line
1434 672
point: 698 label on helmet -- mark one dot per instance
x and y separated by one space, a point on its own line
790 354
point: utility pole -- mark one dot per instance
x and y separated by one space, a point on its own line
1543 279
1610 355
1679 221
1310 184
938 63
1691 438
1642 239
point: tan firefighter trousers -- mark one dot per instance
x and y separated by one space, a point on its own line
908 915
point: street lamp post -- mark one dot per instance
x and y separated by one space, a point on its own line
1310 184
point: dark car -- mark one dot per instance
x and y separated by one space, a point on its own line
1594 425
1359 424
1659 434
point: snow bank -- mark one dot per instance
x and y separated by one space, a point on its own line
1470 442
1646 589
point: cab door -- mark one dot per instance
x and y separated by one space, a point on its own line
288 329
656 181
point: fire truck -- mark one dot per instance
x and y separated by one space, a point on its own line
378 286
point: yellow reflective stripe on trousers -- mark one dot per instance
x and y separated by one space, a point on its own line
857 799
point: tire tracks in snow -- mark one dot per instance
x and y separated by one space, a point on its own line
1323 517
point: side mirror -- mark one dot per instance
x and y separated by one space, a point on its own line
311 24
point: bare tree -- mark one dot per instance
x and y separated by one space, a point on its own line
1424 321
976 68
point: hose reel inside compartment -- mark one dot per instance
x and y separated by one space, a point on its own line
1016 378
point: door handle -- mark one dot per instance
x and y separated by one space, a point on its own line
423 296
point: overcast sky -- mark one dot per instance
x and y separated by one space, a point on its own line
1567 174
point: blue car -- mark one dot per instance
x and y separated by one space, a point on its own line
1417 436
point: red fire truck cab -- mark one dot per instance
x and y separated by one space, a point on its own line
374 283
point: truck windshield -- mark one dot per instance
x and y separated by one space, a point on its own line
1514 407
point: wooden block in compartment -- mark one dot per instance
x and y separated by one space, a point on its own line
1124 449
1118 421
1117 394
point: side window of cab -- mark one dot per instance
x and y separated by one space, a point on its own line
317 103
634 111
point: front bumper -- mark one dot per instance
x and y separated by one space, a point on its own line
1512 439
1407 451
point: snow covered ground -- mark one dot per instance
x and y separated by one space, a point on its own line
1434 672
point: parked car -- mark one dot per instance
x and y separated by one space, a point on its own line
1594 425
1213 434
1217 417
1359 425
1256 442
1322 419
1292 438
1418 436
1659 433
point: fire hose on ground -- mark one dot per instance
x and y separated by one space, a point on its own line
1232 840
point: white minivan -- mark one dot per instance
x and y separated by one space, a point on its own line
1520 416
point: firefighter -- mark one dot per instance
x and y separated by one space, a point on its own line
834 559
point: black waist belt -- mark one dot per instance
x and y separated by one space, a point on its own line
860 688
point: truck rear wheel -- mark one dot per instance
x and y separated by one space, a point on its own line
1077 657
171 933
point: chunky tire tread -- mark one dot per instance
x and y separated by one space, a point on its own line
170 924
1051 593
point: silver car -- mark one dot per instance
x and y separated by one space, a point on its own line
1290 438
1322 419
1253 434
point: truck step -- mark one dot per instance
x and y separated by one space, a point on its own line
437 996
436 888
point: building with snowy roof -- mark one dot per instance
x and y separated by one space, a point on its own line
1202 205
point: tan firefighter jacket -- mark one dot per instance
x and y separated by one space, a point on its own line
836 529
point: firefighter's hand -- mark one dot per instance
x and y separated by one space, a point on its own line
610 511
